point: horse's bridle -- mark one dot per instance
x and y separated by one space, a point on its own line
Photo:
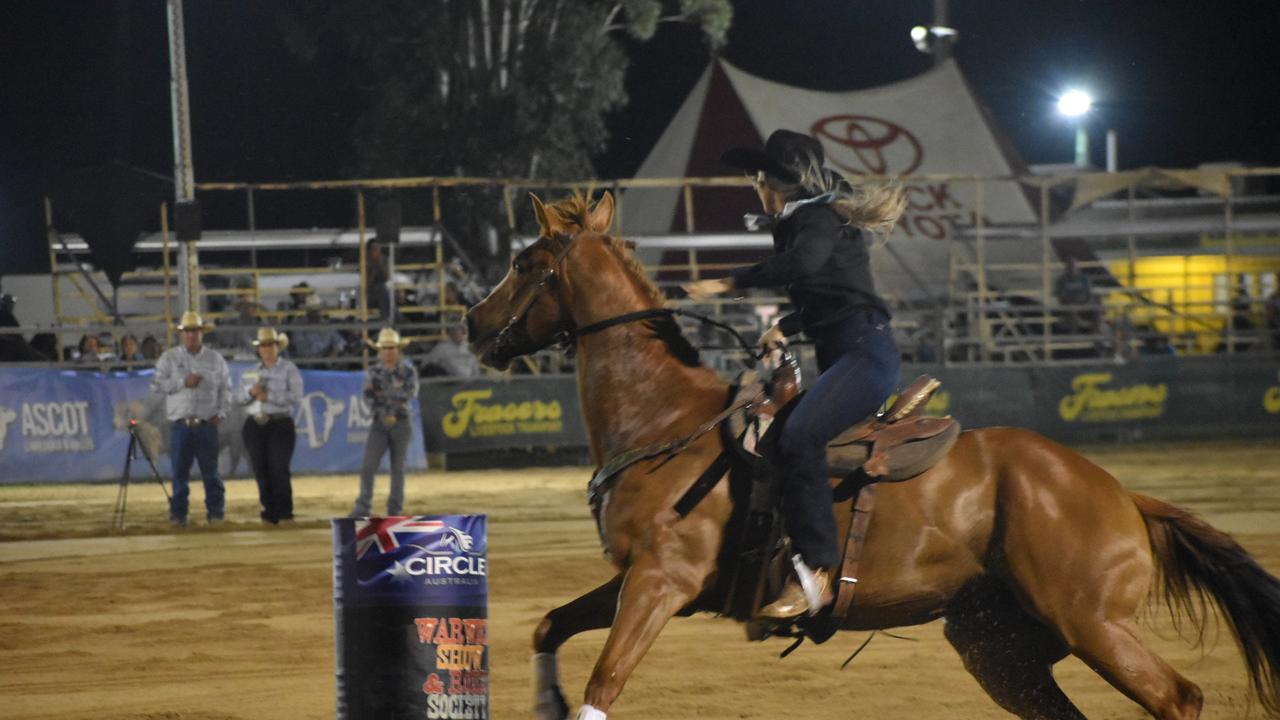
506 336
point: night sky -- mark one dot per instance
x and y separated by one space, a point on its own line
1181 81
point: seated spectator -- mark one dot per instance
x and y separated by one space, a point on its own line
245 329
1074 293
451 356
130 350
377 293
150 348
298 295
106 346
13 346
1241 330
1153 342
87 349
315 342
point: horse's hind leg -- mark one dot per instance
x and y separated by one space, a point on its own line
589 612
1114 651
1008 652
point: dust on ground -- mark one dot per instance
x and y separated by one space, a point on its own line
236 621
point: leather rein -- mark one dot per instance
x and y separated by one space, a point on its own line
506 336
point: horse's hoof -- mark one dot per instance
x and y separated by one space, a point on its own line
551 705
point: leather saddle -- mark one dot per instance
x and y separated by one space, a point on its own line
895 445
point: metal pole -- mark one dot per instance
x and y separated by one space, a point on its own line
688 208
1046 321
54 273
441 281
984 331
942 51
1082 146
253 227
1111 151
183 175
364 282
164 260
1230 248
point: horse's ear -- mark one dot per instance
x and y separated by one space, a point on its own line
601 216
540 212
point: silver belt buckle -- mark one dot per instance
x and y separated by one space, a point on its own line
261 418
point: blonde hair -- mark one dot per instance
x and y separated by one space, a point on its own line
876 207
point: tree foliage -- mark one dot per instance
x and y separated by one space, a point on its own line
512 88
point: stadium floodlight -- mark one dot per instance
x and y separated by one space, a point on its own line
1074 103
929 40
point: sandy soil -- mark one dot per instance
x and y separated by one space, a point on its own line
236 621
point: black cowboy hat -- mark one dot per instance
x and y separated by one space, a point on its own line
780 158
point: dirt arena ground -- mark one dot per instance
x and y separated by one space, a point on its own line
236 621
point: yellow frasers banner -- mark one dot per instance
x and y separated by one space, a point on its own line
1094 398
1271 398
484 414
474 414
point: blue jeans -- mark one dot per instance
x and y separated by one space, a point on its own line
201 444
859 368
381 438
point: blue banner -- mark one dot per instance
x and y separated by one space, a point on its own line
70 425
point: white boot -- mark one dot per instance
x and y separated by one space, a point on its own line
548 701
586 712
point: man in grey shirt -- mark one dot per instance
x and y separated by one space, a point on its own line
451 356
197 389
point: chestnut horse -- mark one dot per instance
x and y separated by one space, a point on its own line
1029 551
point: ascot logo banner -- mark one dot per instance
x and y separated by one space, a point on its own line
69 425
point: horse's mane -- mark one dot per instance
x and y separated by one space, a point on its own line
572 211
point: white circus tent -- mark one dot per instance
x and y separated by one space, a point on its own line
928 125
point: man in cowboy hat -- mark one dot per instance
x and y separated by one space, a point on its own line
272 390
389 386
197 389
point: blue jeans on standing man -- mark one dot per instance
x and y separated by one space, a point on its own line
381 438
198 442
859 367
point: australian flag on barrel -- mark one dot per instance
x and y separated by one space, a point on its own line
410 598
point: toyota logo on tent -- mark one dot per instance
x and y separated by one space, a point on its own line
869 146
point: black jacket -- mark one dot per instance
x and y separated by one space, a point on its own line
825 266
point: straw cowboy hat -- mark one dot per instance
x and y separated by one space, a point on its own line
191 320
269 336
388 338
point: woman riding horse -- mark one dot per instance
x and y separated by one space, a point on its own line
822 232
1028 550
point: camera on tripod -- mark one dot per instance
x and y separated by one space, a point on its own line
136 443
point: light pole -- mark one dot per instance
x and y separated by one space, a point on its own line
1075 104
186 211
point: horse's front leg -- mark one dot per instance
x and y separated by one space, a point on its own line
654 590
589 612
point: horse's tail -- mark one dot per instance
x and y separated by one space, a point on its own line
1196 560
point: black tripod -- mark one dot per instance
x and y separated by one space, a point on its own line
135 444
